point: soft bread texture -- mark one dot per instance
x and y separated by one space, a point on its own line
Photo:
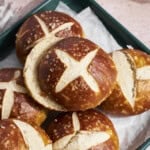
31 80
74 74
15 100
16 134
83 131
50 25
132 92
78 140
126 75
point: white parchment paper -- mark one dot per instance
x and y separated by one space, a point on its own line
133 130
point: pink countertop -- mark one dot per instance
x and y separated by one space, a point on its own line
133 14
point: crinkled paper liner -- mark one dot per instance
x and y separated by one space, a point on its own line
133 130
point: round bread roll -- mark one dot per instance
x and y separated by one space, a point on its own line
88 130
75 74
132 91
19 135
49 25
15 101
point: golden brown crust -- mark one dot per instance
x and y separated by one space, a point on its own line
11 136
28 34
54 19
90 121
140 58
77 94
117 103
43 134
24 107
60 126
95 121
31 32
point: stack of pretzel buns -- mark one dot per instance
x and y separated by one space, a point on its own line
65 72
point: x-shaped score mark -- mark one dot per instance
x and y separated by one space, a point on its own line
8 98
75 69
78 137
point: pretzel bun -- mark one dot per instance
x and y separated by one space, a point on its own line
19 135
88 130
50 25
75 74
132 91
15 101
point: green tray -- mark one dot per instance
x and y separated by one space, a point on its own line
121 34
7 38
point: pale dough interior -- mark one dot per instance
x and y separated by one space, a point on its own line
80 140
32 137
126 75
30 68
